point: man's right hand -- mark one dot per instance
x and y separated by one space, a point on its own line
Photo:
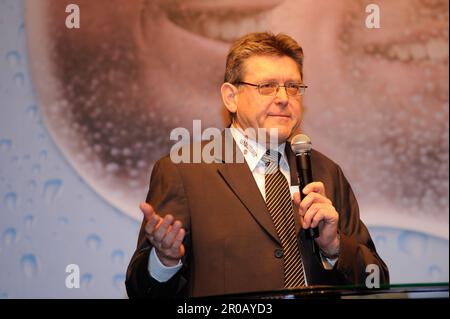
165 234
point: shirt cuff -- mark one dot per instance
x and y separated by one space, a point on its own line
159 271
328 263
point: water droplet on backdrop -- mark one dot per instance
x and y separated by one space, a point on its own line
5 144
9 236
117 256
19 79
10 200
86 280
13 58
435 273
63 221
119 282
52 188
412 243
28 264
93 241
32 111
28 221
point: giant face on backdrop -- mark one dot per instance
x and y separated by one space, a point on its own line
377 102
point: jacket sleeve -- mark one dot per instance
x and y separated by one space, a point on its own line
357 249
166 195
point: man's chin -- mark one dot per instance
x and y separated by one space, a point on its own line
278 133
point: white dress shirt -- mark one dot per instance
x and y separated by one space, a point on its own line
253 154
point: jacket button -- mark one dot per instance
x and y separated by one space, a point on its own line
278 253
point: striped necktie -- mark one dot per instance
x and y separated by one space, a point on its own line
279 204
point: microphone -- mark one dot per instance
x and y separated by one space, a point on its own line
301 146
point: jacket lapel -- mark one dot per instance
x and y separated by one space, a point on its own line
240 179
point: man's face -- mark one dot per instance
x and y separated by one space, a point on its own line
279 111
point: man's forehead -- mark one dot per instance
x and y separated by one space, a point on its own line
270 67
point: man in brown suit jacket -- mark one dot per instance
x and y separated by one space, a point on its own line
217 235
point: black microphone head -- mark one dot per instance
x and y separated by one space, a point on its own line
301 143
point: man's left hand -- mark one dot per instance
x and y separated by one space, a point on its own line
317 210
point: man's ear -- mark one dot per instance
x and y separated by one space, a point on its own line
229 96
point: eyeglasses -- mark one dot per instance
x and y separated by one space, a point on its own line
271 88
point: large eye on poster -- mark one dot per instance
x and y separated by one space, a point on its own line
112 90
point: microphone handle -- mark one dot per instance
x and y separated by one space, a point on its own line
305 177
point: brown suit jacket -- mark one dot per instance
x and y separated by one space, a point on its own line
231 242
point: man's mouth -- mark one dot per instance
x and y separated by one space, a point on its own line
279 115
223 20
418 36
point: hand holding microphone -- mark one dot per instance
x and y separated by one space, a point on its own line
301 146
313 205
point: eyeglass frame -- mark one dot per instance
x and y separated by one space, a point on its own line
258 86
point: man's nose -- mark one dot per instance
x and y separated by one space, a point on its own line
281 96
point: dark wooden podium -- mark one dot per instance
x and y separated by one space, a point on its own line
399 291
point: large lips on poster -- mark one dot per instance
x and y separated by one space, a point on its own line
377 101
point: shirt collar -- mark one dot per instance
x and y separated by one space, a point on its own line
252 150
